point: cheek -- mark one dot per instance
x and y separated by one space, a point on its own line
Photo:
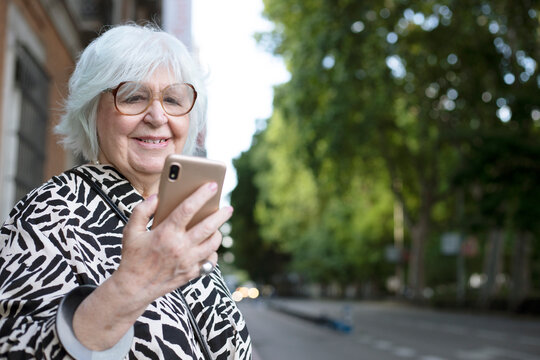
181 128
105 129
101 127
104 120
110 126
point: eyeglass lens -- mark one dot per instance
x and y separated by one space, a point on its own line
133 98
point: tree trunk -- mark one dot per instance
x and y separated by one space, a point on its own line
416 278
492 266
521 282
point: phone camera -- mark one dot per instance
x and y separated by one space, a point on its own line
174 170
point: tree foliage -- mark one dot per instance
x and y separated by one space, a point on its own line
263 260
397 102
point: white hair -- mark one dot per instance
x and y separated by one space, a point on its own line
125 53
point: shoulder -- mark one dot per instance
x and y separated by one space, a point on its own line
32 234
48 202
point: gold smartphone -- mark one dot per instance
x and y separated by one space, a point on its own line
181 176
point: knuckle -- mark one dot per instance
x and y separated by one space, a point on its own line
188 207
212 244
138 210
208 229
205 230
216 241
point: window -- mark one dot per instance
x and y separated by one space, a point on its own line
33 84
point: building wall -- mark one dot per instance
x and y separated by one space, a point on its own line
27 24
3 20
53 32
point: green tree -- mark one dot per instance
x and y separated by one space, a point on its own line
262 260
335 232
408 83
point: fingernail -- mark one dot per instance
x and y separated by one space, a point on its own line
212 186
151 197
230 209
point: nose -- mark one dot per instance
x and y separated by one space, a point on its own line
155 114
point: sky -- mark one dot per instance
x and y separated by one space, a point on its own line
240 75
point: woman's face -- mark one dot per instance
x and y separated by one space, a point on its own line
137 145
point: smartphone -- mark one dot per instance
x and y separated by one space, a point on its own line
181 176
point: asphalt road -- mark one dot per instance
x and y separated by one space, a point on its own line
387 331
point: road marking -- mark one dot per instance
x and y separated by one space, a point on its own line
404 352
400 351
383 345
478 354
490 353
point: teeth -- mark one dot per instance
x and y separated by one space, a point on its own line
153 141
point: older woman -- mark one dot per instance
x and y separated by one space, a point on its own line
75 278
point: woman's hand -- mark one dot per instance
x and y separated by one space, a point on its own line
153 264
159 261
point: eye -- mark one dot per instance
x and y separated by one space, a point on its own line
173 100
132 93
134 98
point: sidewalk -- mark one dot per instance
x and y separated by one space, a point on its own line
300 321
335 314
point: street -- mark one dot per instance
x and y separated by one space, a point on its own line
387 331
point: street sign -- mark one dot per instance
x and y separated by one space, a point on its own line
450 243
392 254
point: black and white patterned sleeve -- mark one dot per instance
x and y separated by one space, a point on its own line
34 276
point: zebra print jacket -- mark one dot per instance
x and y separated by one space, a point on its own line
63 235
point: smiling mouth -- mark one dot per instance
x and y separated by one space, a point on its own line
150 141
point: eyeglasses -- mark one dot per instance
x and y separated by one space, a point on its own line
134 98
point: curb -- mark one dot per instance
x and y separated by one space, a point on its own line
317 319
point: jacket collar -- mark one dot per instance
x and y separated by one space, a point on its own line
115 185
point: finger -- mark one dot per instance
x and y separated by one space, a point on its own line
205 249
203 265
213 258
141 214
195 269
183 213
210 224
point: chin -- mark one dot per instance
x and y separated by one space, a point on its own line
150 166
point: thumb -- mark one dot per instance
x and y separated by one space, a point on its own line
142 213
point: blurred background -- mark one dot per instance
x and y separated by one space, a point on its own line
384 161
